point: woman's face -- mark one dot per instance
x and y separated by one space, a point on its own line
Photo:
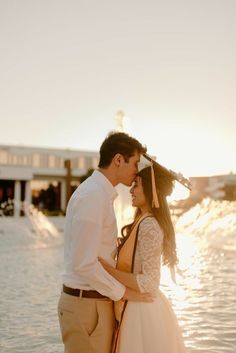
138 197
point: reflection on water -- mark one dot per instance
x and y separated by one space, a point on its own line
29 286
204 298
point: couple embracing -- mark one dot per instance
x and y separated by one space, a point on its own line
110 300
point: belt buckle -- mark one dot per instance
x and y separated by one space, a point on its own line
81 293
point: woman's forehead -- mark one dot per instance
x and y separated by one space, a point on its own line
138 179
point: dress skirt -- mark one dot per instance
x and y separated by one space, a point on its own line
150 328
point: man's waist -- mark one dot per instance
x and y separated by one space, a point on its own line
73 280
82 293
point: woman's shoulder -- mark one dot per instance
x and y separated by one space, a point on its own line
150 223
150 220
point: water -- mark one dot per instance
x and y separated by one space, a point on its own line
30 268
204 299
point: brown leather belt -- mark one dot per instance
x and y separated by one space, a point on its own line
82 293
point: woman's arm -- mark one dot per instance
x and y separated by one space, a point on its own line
150 244
127 279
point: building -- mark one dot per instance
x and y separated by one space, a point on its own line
218 187
40 175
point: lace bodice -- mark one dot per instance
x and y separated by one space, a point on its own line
147 263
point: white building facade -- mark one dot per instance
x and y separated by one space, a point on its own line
23 168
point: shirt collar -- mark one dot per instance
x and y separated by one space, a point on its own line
105 183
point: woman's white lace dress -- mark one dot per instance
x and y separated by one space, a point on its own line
150 327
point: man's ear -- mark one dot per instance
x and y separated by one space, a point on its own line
117 159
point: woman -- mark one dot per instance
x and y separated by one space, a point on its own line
147 327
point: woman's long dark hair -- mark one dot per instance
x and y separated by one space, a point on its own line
164 185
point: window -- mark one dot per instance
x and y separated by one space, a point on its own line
94 162
51 161
25 160
81 163
3 157
14 159
89 162
36 160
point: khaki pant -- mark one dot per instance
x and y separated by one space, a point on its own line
87 325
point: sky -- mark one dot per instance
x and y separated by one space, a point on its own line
68 66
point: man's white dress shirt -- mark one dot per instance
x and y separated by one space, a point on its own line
91 231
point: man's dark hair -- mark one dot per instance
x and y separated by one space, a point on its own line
118 142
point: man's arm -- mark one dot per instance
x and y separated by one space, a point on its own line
129 280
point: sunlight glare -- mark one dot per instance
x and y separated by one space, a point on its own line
179 193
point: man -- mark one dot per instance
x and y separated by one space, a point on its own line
85 307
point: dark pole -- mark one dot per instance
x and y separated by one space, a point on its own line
67 165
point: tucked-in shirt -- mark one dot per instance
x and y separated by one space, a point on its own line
91 232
